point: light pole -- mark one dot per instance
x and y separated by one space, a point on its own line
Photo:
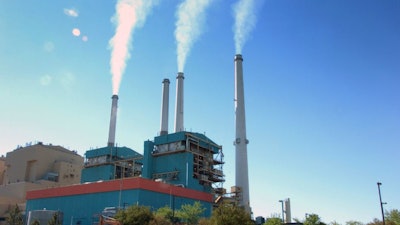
380 200
283 216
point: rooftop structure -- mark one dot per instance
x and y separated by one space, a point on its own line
188 159
109 163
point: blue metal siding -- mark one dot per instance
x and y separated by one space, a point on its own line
148 159
86 208
122 152
174 137
91 174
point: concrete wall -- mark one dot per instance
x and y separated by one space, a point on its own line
2 169
32 163
36 167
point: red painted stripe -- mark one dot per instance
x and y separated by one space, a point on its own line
116 185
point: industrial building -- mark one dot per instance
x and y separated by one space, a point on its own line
33 167
175 169
111 163
178 168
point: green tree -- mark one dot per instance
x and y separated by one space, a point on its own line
353 222
163 216
15 216
228 214
273 221
55 220
393 216
159 220
135 215
334 223
375 222
313 219
190 213
35 222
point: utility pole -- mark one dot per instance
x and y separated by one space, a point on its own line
380 200
283 212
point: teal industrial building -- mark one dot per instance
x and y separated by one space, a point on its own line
175 169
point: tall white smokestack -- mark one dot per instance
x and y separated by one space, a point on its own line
179 103
288 211
164 107
242 175
113 121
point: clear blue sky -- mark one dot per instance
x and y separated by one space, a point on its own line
321 80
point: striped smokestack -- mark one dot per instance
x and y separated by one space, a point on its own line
242 175
164 107
179 103
113 121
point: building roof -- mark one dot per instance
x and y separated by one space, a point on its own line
40 145
117 185
120 152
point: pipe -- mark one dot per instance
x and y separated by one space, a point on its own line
164 107
113 121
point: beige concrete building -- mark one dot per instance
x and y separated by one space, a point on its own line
2 168
35 167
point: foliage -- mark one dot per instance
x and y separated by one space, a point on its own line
165 212
163 216
135 215
313 219
160 220
393 216
375 222
353 222
204 221
55 220
15 216
273 221
35 222
191 213
228 214
334 223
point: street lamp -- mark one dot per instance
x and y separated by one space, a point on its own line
380 200
283 216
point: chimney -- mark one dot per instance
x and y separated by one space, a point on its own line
179 103
242 175
113 121
288 211
164 107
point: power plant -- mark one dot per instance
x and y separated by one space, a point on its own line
175 168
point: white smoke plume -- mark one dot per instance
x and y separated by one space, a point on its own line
191 17
130 14
245 20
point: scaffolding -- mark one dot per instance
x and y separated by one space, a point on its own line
207 160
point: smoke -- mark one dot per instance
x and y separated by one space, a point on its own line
190 15
245 20
130 14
